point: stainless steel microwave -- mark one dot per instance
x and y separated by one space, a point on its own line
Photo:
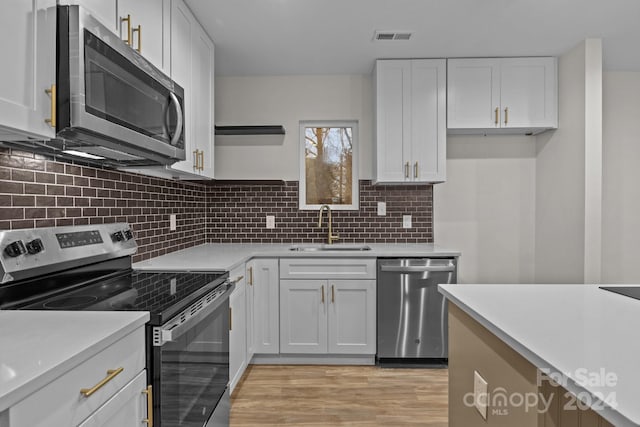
112 105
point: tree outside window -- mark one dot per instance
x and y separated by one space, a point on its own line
328 165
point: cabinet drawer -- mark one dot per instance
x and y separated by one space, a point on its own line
60 402
127 408
327 268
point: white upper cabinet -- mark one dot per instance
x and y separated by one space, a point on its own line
192 62
191 65
28 44
142 24
410 121
145 24
510 94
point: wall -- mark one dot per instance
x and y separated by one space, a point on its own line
36 192
286 100
621 192
562 183
237 214
486 208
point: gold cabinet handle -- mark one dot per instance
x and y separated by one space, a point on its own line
333 294
415 170
195 159
201 160
149 420
323 294
506 115
406 170
129 33
497 115
230 319
250 276
138 30
111 374
52 92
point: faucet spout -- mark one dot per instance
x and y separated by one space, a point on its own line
330 236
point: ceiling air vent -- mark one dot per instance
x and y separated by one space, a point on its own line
391 35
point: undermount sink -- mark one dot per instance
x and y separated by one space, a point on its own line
327 248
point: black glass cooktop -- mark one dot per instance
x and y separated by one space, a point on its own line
163 294
627 291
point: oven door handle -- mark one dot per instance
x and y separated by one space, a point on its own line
173 330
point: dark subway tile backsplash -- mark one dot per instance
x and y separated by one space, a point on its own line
38 192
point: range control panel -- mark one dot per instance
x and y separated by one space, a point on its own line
30 252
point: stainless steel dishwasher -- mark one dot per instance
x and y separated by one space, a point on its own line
412 314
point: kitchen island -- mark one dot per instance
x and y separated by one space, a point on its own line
518 337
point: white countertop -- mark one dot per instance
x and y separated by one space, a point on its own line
223 256
38 346
567 328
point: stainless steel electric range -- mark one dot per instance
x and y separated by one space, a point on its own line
89 268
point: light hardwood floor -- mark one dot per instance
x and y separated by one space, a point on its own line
340 396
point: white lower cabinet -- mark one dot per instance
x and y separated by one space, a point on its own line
322 312
118 376
303 316
237 328
352 317
263 278
127 408
328 316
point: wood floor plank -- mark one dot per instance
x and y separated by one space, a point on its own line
302 395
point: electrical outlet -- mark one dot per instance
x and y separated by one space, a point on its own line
172 222
172 286
271 221
382 208
480 397
406 221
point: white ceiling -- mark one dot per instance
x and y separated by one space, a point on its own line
275 37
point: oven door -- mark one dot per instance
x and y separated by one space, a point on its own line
191 362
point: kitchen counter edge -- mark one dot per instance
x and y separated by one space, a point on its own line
227 256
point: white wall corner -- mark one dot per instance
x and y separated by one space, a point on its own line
593 162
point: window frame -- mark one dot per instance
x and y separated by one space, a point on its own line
355 183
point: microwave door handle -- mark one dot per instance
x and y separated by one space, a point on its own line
173 99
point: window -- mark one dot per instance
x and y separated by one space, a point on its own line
328 165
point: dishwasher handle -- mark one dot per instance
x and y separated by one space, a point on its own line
418 269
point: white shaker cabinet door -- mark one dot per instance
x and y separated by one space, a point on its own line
202 102
303 316
529 93
428 143
237 334
28 46
150 25
250 297
393 97
473 93
352 316
266 317
182 27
